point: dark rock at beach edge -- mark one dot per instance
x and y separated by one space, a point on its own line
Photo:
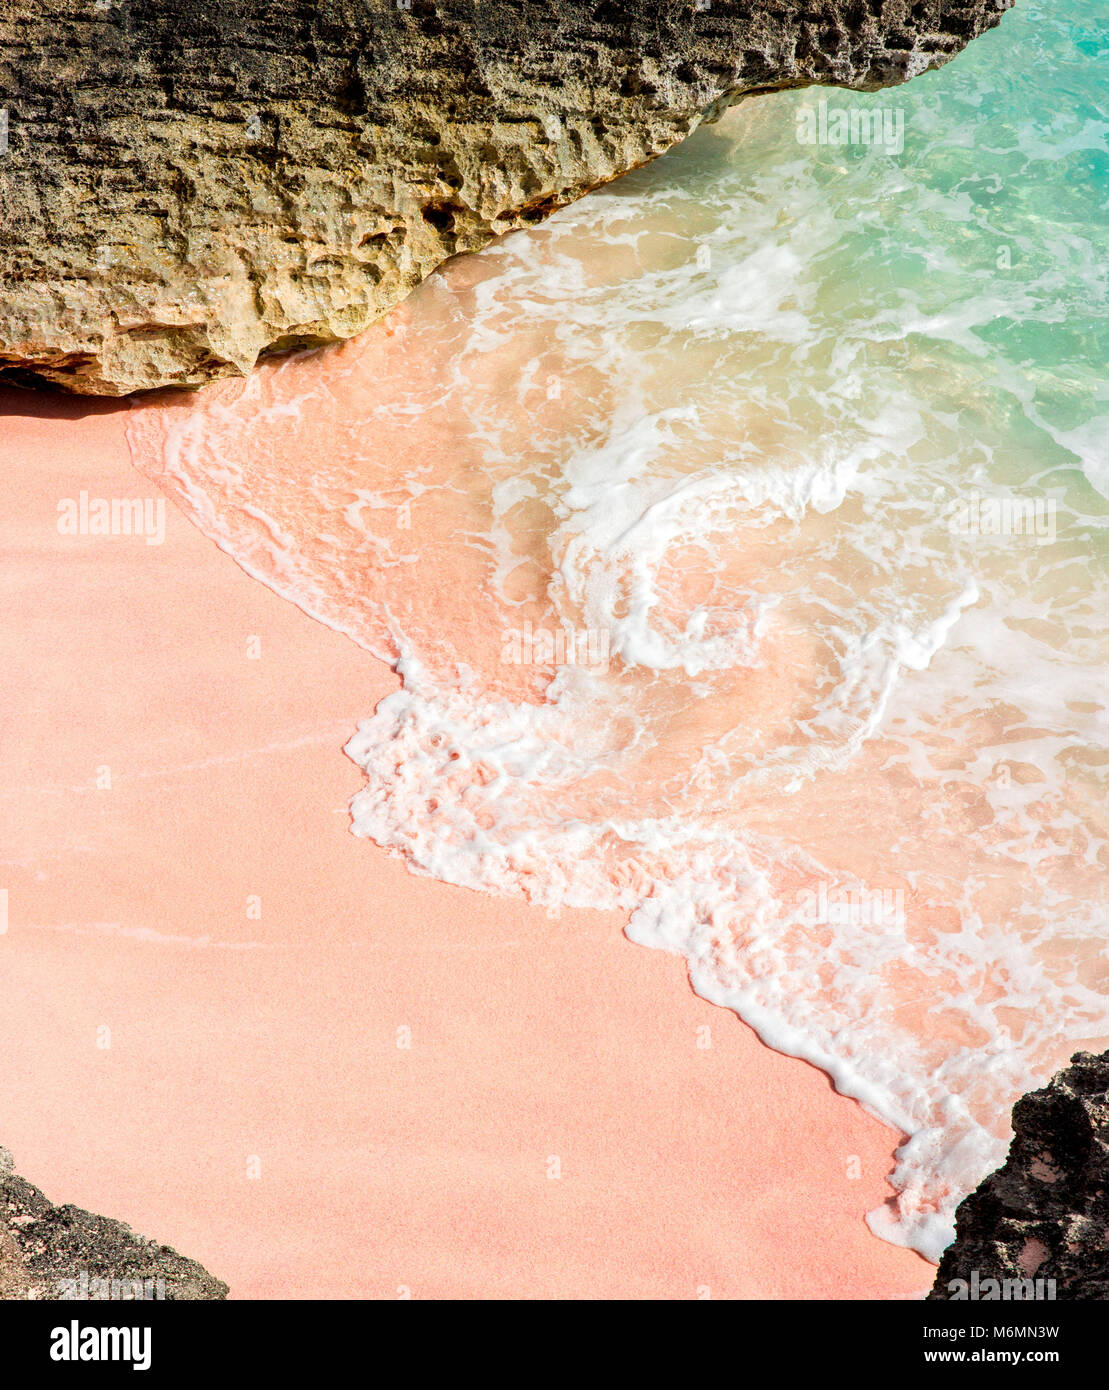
1039 1226
66 1254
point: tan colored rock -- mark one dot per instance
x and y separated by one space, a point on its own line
14 1282
185 186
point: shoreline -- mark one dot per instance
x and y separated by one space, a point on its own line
255 1100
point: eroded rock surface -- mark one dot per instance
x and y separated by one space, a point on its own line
49 1252
1045 1214
186 185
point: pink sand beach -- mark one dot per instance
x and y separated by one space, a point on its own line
245 1032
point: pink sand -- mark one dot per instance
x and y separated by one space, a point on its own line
268 1044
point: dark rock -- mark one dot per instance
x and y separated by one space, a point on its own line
49 1252
1045 1214
185 185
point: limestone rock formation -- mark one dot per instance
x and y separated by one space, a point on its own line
49 1252
186 185
1045 1214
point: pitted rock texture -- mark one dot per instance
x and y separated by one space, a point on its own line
1045 1214
186 185
64 1253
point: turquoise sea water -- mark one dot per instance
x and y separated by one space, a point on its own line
981 248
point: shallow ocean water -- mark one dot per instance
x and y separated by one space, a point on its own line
740 536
